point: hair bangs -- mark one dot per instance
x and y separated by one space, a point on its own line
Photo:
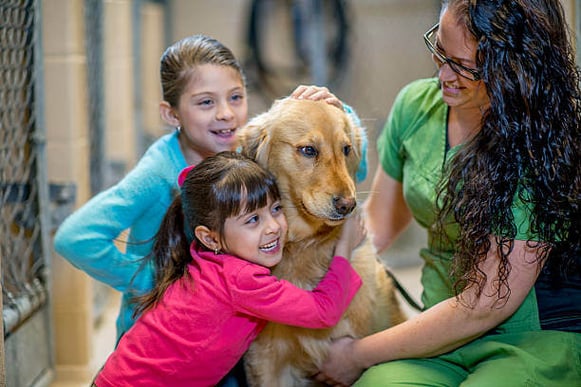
244 190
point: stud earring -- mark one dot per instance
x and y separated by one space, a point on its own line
216 251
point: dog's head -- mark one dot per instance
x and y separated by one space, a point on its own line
314 150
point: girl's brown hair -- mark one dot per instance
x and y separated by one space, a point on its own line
179 61
221 186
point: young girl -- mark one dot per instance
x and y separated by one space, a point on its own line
213 290
204 98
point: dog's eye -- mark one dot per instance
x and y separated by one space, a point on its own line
347 150
308 151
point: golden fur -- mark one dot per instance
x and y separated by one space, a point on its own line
314 150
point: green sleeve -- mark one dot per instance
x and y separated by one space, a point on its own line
522 213
389 143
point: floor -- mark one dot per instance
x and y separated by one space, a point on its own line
407 276
104 340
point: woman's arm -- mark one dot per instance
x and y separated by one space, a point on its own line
442 328
386 212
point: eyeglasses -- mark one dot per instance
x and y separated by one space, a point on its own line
441 59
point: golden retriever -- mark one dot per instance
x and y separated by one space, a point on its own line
314 150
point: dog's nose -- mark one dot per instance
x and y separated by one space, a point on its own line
343 205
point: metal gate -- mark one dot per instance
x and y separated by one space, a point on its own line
27 350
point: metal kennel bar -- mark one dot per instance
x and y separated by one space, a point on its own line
27 349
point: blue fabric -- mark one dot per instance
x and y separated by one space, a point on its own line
140 200
362 171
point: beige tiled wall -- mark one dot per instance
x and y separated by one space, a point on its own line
67 151
119 101
152 44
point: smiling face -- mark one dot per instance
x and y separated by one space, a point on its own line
257 236
210 111
454 41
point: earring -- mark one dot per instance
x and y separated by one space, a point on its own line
179 128
216 251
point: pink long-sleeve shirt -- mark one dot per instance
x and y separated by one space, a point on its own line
206 321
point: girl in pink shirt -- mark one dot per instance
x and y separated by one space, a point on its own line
213 290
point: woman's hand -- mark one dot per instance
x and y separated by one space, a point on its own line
316 93
339 369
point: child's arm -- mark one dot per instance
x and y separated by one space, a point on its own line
352 234
262 295
87 237
255 292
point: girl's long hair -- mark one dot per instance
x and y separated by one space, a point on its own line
528 146
221 186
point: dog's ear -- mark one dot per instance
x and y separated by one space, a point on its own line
254 139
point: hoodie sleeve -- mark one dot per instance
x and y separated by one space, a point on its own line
258 293
89 238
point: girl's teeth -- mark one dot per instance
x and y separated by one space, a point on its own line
269 246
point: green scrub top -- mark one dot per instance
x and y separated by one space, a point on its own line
412 149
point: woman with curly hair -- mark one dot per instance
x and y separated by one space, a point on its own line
486 158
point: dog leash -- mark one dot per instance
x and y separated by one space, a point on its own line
405 294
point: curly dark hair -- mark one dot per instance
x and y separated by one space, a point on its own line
528 145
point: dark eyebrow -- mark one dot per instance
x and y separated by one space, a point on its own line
440 48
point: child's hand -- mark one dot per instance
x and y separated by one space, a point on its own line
316 93
352 234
